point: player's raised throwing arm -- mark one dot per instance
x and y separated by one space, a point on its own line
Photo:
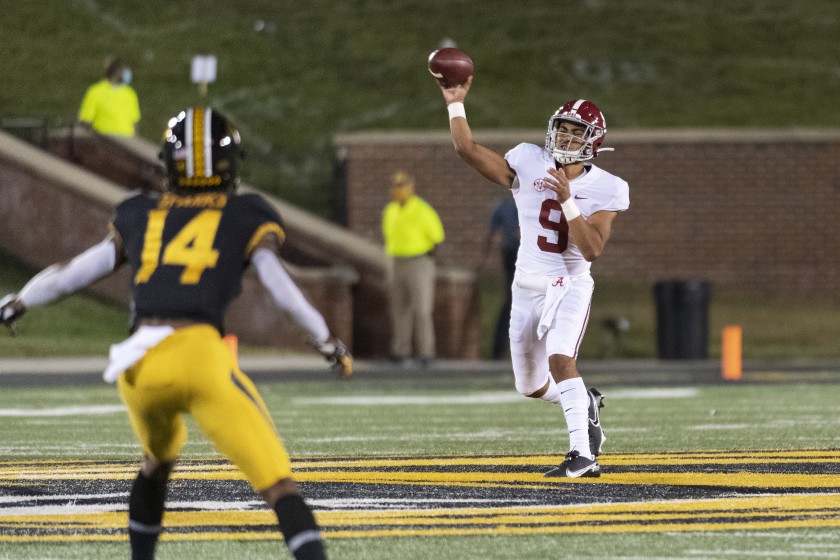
482 159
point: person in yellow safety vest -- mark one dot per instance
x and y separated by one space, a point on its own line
412 230
110 106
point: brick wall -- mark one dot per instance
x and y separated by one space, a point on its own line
747 208
52 211
46 220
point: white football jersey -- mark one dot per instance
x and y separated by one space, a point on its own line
545 247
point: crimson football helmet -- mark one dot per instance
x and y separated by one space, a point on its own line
201 151
568 149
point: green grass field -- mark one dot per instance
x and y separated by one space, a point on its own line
421 468
293 74
754 469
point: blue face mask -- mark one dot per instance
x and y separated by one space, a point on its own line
126 76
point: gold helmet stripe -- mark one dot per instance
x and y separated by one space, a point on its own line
202 142
199 142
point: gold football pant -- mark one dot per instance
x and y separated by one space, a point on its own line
193 371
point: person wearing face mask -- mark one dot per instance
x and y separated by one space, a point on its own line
110 106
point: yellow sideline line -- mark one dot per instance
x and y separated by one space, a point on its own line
495 460
479 459
353 471
616 459
712 514
741 479
474 479
762 512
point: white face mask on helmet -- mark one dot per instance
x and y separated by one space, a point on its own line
567 148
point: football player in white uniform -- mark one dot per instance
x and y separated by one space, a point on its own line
566 208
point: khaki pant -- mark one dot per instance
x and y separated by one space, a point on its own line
412 282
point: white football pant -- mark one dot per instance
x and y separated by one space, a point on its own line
529 353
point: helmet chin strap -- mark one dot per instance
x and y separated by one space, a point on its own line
569 159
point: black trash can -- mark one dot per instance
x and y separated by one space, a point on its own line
682 319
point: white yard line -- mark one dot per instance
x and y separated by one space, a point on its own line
54 498
62 411
489 397
703 427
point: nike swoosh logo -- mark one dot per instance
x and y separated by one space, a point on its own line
578 197
575 474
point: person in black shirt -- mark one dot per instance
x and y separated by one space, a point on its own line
504 223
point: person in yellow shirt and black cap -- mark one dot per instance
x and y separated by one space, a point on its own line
110 106
412 230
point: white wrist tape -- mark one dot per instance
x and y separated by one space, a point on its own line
59 280
287 296
456 110
570 209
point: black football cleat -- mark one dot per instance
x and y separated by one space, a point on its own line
575 466
596 433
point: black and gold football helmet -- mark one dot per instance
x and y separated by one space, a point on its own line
201 151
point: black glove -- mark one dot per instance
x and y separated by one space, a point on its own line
10 310
337 354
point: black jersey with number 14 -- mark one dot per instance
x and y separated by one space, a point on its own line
188 253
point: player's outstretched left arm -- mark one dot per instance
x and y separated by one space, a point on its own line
62 279
288 297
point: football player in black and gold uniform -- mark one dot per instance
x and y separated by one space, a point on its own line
188 249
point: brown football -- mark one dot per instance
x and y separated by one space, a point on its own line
450 67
